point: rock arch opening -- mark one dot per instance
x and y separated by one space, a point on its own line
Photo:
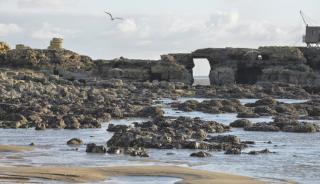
201 71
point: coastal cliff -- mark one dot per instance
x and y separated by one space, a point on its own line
292 65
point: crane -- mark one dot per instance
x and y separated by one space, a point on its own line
303 18
312 36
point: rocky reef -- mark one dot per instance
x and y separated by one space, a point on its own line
58 88
180 133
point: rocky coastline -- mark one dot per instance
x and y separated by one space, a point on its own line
60 89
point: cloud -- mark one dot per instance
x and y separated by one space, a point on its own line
40 3
149 36
128 26
158 34
222 19
48 31
6 29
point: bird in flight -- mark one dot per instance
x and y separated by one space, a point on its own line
113 18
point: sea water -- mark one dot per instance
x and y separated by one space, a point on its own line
297 156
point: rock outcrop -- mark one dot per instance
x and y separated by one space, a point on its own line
290 65
265 64
143 70
180 133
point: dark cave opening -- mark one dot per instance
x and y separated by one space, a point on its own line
248 75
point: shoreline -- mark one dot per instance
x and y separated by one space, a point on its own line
14 148
95 174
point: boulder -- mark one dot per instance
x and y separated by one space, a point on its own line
93 148
151 111
75 142
241 123
200 154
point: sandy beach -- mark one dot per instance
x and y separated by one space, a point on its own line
22 174
82 174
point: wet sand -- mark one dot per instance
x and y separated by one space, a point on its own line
11 148
82 174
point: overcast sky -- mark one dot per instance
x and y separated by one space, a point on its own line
154 27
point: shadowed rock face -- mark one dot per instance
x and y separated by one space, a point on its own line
291 65
144 70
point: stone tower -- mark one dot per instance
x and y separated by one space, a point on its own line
56 44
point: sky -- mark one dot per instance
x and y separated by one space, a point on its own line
154 27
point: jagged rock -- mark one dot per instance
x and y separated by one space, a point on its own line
132 151
248 142
117 128
40 126
233 151
90 122
166 133
93 148
200 154
315 111
264 151
212 106
302 127
116 113
71 122
264 110
264 102
54 122
224 139
115 150
265 127
199 135
247 115
151 111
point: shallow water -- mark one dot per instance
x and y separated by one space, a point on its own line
242 101
297 155
142 180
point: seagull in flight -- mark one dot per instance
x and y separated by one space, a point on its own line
113 18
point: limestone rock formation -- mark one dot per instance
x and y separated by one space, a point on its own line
4 47
288 65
